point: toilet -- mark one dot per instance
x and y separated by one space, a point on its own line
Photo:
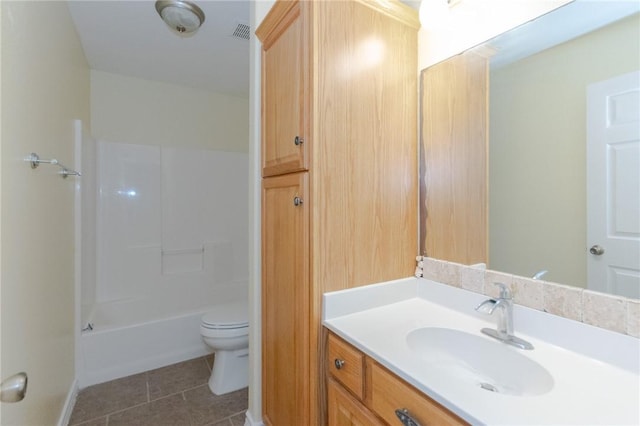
225 329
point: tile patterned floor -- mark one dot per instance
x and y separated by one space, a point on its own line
176 395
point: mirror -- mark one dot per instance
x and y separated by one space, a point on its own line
537 157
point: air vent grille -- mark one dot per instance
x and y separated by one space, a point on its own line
242 31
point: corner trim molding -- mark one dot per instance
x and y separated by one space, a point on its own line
69 403
249 421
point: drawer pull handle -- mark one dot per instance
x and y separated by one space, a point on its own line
339 363
405 417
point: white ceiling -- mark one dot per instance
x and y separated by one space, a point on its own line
129 38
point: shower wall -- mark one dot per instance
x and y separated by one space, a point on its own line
171 185
169 219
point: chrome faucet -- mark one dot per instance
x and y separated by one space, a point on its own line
503 306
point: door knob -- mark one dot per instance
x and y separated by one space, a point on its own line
14 388
596 250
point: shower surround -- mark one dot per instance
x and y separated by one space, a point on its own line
171 242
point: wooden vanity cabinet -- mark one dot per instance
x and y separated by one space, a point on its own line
285 299
386 393
284 93
382 392
345 410
347 366
339 208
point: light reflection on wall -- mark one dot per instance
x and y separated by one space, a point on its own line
130 193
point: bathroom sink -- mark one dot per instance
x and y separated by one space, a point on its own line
476 360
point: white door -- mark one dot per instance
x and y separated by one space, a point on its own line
613 185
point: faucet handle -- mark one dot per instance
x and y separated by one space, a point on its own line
505 293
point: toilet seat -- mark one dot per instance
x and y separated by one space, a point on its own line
230 316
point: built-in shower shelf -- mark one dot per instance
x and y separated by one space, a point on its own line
178 261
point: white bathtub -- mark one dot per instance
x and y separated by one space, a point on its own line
136 335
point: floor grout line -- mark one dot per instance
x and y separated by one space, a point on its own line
88 420
149 400
196 387
125 409
180 391
226 418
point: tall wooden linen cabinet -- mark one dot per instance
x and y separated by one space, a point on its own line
339 167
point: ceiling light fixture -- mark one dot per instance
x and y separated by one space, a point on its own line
182 16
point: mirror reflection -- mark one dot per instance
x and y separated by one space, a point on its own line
543 76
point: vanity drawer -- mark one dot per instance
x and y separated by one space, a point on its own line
346 365
386 393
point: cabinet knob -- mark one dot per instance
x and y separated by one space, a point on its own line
298 140
405 417
339 363
297 201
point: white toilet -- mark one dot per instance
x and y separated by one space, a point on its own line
226 330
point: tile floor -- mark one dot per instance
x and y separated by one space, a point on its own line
176 395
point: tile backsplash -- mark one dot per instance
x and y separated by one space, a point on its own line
614 313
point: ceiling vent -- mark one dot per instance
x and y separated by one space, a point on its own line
242 31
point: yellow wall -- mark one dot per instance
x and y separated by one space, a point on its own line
137 111
538 152
45 86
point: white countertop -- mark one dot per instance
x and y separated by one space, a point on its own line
596 372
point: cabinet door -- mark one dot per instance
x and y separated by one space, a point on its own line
345 410
285 300
283 95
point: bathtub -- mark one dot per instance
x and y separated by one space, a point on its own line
135 335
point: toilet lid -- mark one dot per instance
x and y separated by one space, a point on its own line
227 315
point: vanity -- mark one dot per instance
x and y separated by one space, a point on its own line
412 349
361 388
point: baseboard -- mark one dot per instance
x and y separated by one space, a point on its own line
249 421
69 403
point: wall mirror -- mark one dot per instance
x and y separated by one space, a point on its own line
538 165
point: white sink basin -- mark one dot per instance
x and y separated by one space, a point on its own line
480 362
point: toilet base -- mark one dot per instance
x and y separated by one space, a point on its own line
230 371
